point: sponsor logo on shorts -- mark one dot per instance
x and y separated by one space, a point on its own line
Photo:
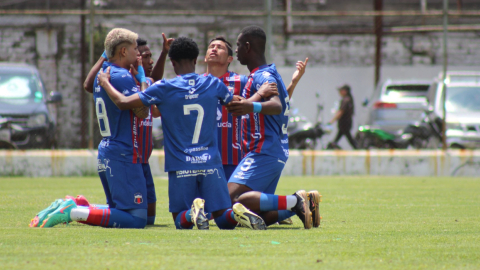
138 198
191 173
198 159
102 166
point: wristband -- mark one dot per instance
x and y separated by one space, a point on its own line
141 75
257 107
104 55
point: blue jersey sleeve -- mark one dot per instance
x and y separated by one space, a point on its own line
263 77
153 95
124 83
223 94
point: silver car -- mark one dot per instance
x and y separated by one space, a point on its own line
462 107
397 104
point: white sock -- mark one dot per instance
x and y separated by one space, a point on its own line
79 214
291 201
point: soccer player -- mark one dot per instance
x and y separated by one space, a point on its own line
218 57
147 63
265 140
188 107
122 157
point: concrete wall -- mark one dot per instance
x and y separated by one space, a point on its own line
334 59
386 162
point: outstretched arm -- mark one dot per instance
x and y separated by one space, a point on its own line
88 83
122 102
159 68
139 75
297 75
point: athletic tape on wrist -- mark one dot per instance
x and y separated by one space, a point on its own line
141 75
104 55
257 107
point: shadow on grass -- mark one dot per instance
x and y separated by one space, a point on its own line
283 228
156 226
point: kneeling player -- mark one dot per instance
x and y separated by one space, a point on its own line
265 141
188 107
121 162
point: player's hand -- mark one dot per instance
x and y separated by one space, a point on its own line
237 98
133 70
267 90
166 43
301 66
241 107
103 77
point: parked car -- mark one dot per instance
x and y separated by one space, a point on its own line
24 100
397 104
462 107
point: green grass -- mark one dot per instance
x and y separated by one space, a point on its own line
368 223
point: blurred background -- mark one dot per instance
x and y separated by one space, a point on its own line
391 54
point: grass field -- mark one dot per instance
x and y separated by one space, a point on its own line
368 223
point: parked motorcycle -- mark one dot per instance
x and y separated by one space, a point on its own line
303 134
423 134
6 130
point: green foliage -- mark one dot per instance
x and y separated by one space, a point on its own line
368 223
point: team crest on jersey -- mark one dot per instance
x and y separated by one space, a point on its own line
266 74
138 198
230 88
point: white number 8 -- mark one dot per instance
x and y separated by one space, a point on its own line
101 111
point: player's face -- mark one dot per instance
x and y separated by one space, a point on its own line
131 54
241 50
147 61
217 52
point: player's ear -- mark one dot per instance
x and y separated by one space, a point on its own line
247 46
195 61
230 59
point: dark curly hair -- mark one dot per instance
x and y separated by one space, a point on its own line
183 48
141 42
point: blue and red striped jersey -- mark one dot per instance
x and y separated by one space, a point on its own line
229 127
126 137
266 134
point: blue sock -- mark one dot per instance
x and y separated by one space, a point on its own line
184 220
150 220
117 218
226 221
284 214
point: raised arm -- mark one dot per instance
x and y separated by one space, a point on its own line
159 68
139 75
297 75
122 102
88 83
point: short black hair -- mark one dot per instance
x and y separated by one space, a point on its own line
141 42
183 48
222 38
256 37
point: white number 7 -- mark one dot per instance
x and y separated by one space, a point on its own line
198 124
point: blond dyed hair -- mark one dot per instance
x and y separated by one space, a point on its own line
116 37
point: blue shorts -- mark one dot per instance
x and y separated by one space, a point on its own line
124 183
151 195
210 185
258 172
229 169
